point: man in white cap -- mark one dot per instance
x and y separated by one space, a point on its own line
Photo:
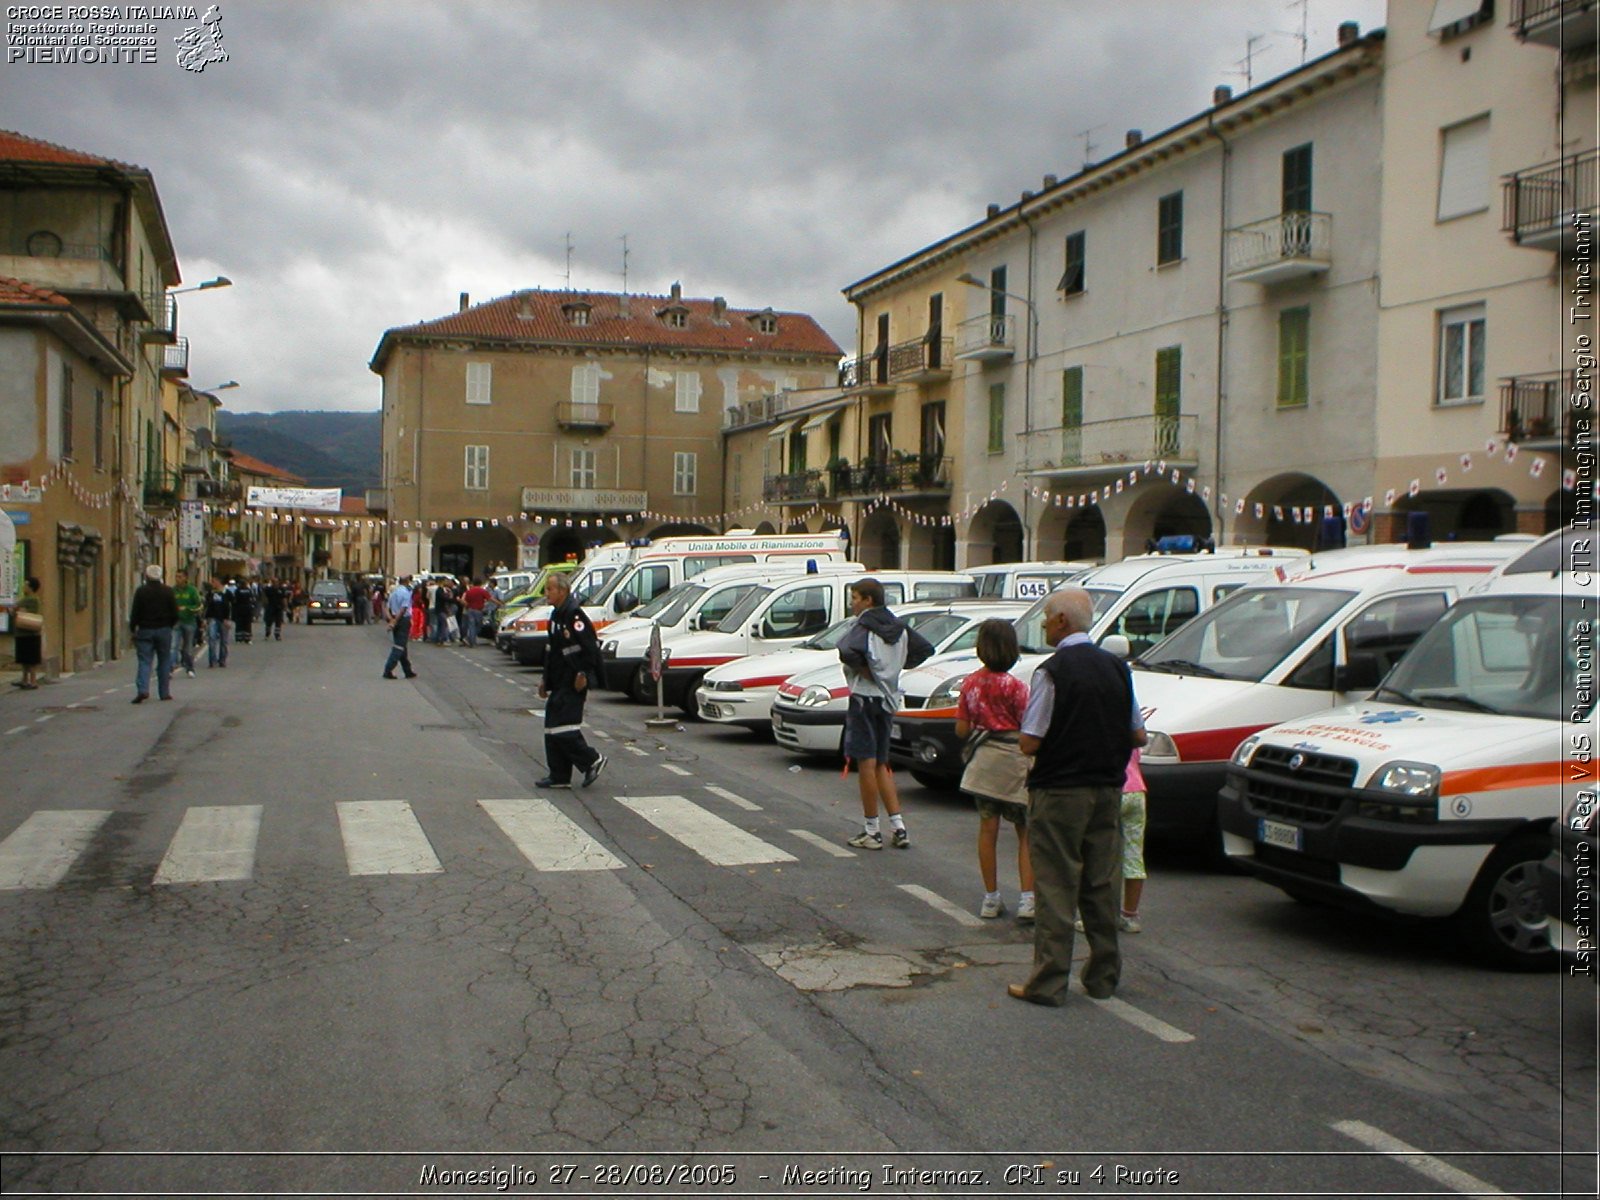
153 614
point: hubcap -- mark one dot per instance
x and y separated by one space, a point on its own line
1516 913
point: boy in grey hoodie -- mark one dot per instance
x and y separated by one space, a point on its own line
874 652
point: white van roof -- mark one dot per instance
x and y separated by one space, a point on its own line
1370 562
1035 565
831 541
1233 560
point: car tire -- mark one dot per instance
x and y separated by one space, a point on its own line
687 703
1503 920
642 688
349 620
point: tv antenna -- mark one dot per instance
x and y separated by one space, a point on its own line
1304 36
1088 143
624 240
569 261
1248 62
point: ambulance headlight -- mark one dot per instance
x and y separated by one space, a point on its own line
1241 756
947 692
814 696
1159 745
1407 779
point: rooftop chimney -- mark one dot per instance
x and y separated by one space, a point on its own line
993 212
465 300
1133 137
719 308
677 292
1026 196
1220 95
1049 182
1349 31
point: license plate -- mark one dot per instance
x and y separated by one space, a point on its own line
1276 833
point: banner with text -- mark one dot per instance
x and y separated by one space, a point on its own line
322 499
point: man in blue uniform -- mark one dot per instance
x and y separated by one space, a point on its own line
571 661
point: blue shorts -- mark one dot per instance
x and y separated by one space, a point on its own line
867 723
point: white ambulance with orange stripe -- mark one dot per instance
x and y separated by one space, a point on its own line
1434 797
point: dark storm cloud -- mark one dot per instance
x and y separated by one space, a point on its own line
354 165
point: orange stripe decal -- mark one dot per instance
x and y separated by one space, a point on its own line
1518 775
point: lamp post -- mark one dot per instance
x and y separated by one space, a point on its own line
1027 397
221 281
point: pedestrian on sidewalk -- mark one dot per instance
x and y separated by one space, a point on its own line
28 648
274 596
219 624
571 662
244 612
877 648
1081 726
400 614
993 701
473 602
188 627
153 614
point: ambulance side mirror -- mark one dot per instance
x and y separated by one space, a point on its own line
1115 643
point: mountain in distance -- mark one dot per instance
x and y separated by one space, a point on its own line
326 449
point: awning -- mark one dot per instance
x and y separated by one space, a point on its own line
228 554
783 430
818 421
1449 12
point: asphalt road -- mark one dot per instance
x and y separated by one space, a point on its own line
304 930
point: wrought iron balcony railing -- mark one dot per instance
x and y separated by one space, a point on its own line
919 361
1544 204
175 359
163 488
915 473
1564 24
868 371
163 310
1287 246
1533 408
795 487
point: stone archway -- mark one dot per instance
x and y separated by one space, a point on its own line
879 548
1281 497
1461 516
765 529
1085 536
1163 512
1560 509
995 535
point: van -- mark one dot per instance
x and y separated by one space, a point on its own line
695 604
775 616
668 561
1025 580
1276 651
1434 796
590 576
1140 599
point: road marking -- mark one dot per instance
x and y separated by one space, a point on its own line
675 769
708 835
821 843
15 729
1424 1164
635 750
733 798
382 837
213 844
601 733
42 849
954 911
1144 1021
43 719
547 837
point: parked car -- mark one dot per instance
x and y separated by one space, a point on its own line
1435 797
330 601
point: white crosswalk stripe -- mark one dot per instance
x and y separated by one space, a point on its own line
547 838
382 837
213 845
708 835
733 798
43 848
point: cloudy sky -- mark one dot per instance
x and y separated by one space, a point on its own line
356 165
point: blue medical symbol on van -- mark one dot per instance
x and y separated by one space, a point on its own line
1390 718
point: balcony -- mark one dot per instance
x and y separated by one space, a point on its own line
1534 412
925 360
162 489
219 489
987 338
1102 447
163 327
1543 203
1291 245
798 487
1564 24
908 475
868 375
585 416
175 360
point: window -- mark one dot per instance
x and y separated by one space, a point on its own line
650 581
1297 179
1072 278
477 468
934 338
99 427
880 437
1462 333
577 314
933 431
675 318
997 418
766 323
997 292
479 375
1294 342
1169 229
1169 397
586 383
583 474
1385 630
1464 169
1151 617
688 397
683 473
66 412
1071 416
799 613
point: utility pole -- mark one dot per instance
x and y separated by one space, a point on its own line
569 260
624 241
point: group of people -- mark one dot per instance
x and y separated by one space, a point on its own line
1057 759
446 610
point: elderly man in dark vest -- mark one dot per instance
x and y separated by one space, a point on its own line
1081 725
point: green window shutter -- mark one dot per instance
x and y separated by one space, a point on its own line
1071 417
997 418
1169 398
1294 341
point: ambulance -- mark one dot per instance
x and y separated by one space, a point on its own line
665 562
1434 797
1275 651
782 614
590 576
1137 602
1026 580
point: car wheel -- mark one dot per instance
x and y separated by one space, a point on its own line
641 687
349 620
1503 920
686 700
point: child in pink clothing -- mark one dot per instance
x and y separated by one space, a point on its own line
1132 822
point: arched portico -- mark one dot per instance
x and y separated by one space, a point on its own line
994 535
1158 512
1281 497
1461 515
879 546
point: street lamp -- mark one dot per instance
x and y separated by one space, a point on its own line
221 281
972 280
221 387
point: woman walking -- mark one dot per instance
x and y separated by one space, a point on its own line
29 645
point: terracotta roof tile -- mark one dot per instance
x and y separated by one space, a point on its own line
353 506
16 291
542 316
17 147
254 466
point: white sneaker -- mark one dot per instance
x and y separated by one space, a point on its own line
1129 923
1077 923
992 907
190 674
866 841
1025 908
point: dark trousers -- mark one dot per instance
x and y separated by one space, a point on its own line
400 652
153 644
1074 840
564 744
